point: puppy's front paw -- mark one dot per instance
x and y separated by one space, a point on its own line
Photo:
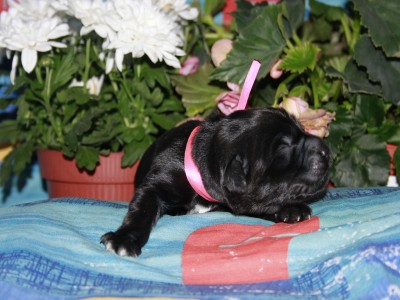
293 213
121 243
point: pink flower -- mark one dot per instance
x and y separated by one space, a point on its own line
314 121
189 66
220 50
275 72
228 101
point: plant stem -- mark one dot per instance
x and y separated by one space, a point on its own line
38 74
314 88
87 62
296 39
347 32
47 103
113 83
283 87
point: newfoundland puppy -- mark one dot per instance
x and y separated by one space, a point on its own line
255 162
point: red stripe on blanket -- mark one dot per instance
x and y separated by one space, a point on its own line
237 253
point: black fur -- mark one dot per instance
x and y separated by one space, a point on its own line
257 162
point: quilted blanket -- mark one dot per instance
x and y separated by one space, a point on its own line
350 249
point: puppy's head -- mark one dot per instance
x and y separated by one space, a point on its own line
268 161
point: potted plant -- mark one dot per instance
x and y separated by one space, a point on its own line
338 63
93 79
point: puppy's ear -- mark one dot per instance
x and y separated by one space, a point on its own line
234 178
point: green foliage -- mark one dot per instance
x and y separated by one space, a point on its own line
252 43
197 92
300 58
381 20
133 108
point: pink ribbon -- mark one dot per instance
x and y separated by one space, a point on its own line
248 85
192 172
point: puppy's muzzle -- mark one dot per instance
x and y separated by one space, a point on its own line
318 156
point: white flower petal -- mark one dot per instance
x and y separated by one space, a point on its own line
28 59
57 44
86 30
190 14
76 83
14 65
119 58
109 63
60 31
42 47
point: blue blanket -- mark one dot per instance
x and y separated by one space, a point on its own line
350 249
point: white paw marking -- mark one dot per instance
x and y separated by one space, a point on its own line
200 209
122 252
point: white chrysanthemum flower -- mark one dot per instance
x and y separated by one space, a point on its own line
178 7
33 9
96 15
147 30
29 36
60 5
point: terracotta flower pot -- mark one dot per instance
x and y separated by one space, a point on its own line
108 182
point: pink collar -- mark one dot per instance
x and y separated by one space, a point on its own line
192 172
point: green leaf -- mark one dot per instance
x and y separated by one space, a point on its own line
166 121
22 157
87 158
170 105
70 145
357 80
300 58
152 75
380 69
197 93
339 130
259 39
369 110
389 132
76 95
330 12
9 132
244 13
134 151
300 91
294 11
83 124
124 104
64 70
6 168
133 134
363 162
382 21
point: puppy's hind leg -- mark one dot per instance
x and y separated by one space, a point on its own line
134 232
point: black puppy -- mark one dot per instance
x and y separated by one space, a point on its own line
256 162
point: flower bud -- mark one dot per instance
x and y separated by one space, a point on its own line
294 106
220 50
46 62
275 72
189 66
